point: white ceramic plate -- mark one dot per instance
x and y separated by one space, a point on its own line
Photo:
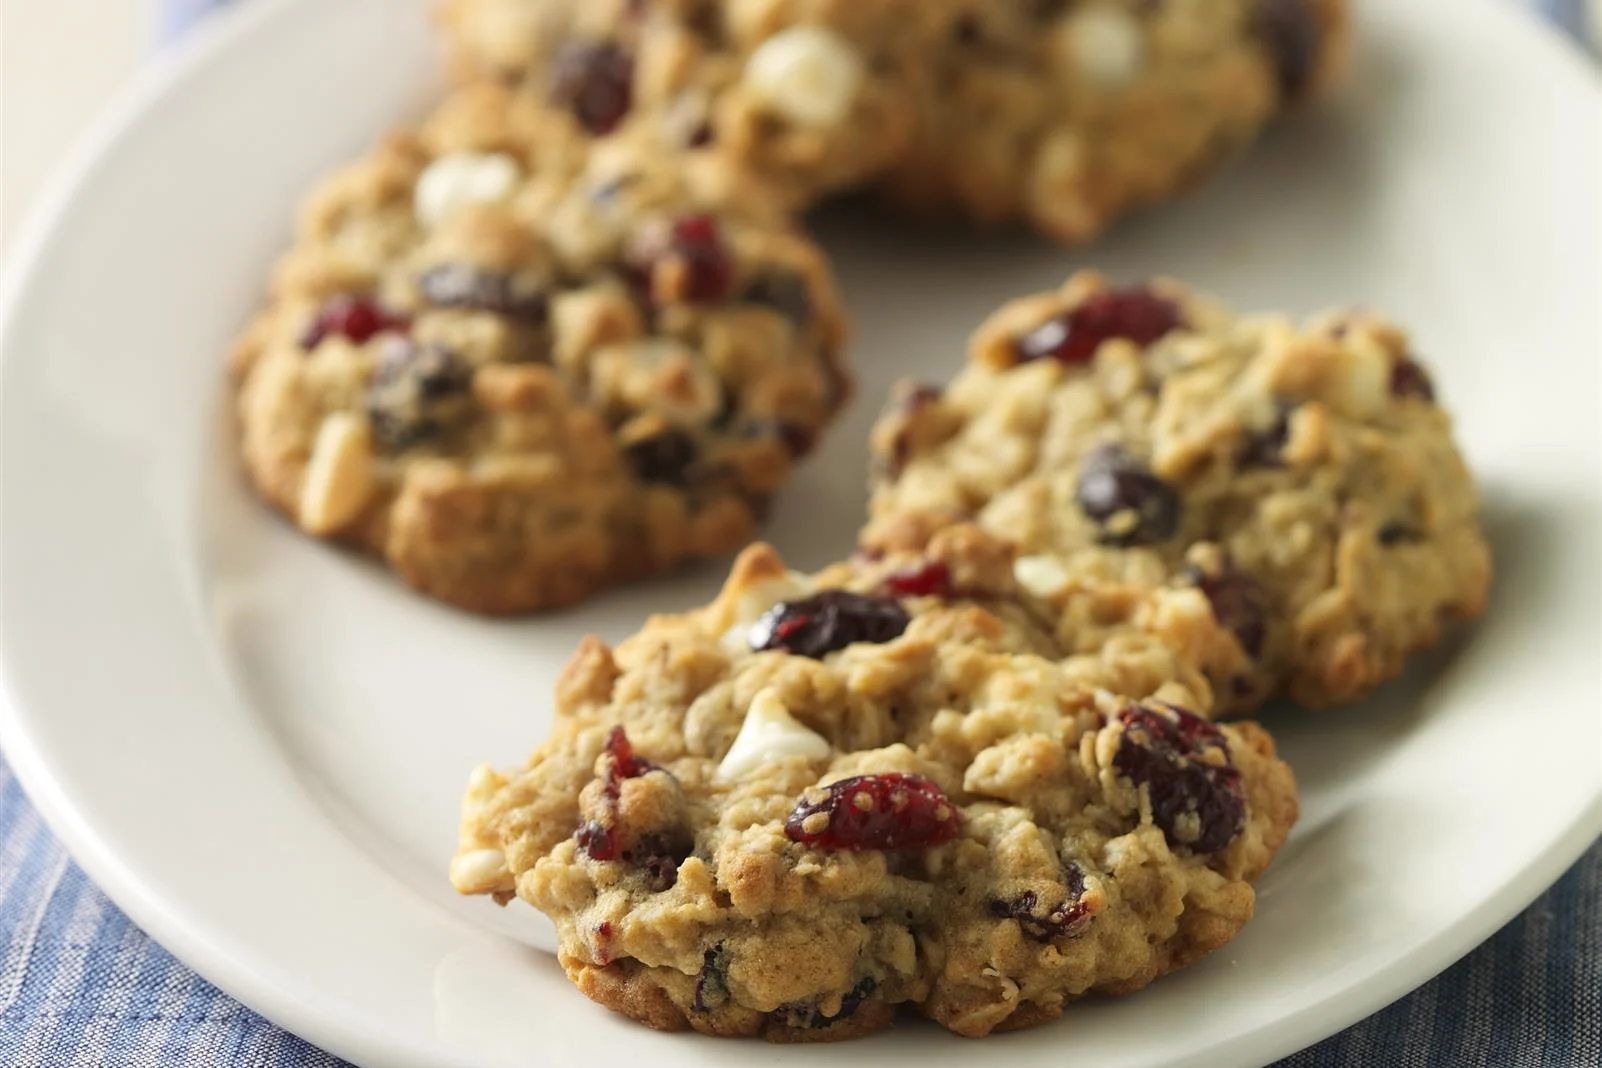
255 743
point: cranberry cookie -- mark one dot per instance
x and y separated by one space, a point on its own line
807 804
520 363
1304 479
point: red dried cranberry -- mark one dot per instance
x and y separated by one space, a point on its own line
1409 379
1238 605
1131 505
1290 30
1136 314
1197 796
828 621
893 811
411 388
1056 921
598 838
665 459
595 81
456 285
597 841
931 579
695 244
357 319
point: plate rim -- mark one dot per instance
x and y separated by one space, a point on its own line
116 874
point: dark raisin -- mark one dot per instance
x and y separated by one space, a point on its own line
456 285
1267 449
930 579
689 253
1129 504
828 621
1409 379
1136 314
712 988
357 319
413 390
806 1015
664 459
595 81
1057 921
1238 605
1289 29
658 856
1197 795
892 811
785 292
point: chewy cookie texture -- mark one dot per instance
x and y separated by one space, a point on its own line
1064 114
520 364
1303 478
820 800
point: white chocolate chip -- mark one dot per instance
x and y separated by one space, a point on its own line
1105 44
1042 576
769 733
462 178
808 74
753 603
339 478
480 872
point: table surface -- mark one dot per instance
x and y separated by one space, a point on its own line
80 984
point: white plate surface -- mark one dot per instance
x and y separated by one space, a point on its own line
255 743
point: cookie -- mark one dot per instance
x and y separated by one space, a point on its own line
1303 478
811 96
521 364
1065 113
807 805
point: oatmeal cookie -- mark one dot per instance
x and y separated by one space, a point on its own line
1062 113
1303 479
807 804
521 364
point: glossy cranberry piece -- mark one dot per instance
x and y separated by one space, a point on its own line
456 285
893 811
595 81
828 621
357 319
1136 314
1290 30
931 579
1238 604
1409 379
1129 504
412 391
1046 924
598 838
694 250
665 459
1197 796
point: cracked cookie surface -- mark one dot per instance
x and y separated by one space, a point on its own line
815 801
1303 478
521 363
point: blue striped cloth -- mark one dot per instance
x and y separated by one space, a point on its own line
81 985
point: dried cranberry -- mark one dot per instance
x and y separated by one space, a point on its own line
695 246
1290 31
1238 605
1197 795
598 838
1048 924
893 811
412 391
931 579
1131 505
456 285
658 857
1136 314
809 1016
1268 448
1409 379
357 319
825 622
665 459
595 81
785 292
712 988
597 841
